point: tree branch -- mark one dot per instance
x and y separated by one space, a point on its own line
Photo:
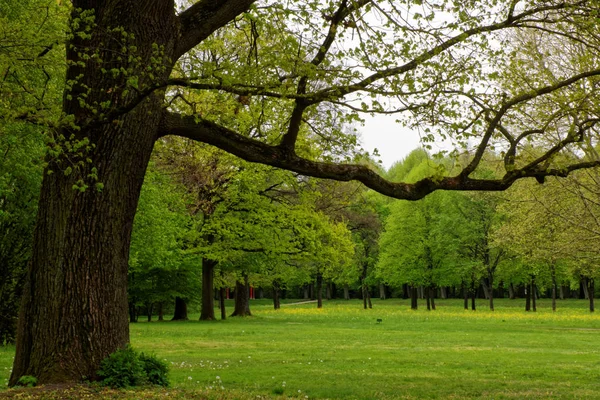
256 151
203 18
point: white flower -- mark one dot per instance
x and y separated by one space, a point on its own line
299 391
189 378
218 377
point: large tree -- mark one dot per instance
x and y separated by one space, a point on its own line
121 57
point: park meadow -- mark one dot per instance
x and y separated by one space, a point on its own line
343 351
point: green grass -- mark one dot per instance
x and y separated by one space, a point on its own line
342 352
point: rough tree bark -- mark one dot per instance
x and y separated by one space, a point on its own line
207 308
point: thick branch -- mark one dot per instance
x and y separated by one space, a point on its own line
255 151
205 17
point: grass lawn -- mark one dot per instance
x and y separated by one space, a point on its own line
341 351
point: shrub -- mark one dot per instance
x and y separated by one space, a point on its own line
122 369
156 370
126 367
27 381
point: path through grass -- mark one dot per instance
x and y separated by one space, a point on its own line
342 352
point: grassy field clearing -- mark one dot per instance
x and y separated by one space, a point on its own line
342 352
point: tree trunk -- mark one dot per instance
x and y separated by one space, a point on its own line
149 309
319 290
465 295
346 292
161 311
584 287
427 299
180 313
533 294
207 308
553 274
74 308
444 292
132 312
382 291
432 296
491 288
222 295
276 292
414 303
591 290
242 298
528 297
511 291
473 295
486 288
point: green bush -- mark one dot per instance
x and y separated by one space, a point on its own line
122 369
27 381
126 367
156 370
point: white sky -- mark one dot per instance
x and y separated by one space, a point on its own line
392 140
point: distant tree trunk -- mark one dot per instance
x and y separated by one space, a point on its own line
346 292
533 294
276 293
562 292
207 309
486 288
591 290
406 291
149 309
465 295
382 291
511 291
369 299
414 303
473 295
242 298
306 292
432 296
222 295
161 311
319 290
333 290
584 287
553 273
443 292
180 313
527 297
428 301
491 288
132 312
